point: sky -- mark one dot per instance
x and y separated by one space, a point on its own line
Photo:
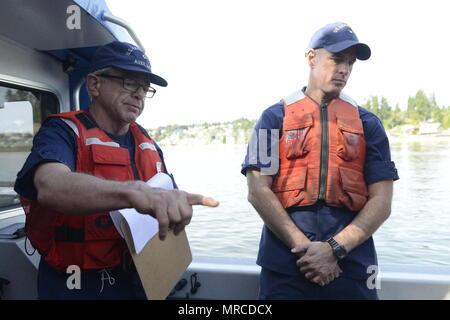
225 60
16 117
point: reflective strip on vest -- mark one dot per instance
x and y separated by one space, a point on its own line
147 145
346 98
298 95
294 97
72 126
90 141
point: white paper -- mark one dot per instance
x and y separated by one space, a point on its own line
143 227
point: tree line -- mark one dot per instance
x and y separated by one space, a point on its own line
421 108
237 127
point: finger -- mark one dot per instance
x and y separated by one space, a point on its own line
306 268
318 280
337 274
304 261
186 215
198 199
173 213
178 228
300 249
163 222
311 275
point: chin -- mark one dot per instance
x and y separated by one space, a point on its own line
333 93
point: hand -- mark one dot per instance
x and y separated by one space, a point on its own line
317 262
172 208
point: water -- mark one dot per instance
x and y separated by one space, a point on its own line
416 233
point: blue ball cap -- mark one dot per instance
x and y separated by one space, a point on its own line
125 56
336 37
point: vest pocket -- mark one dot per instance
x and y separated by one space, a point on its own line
104 245
295 133
355 193
112 163
350 138
290 187
99 226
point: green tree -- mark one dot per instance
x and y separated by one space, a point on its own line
382 109
446 118
421 108
398 117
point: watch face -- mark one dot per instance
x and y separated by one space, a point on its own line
340 252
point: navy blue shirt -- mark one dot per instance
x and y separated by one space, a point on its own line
56 142
320 222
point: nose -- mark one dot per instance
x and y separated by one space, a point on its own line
345 68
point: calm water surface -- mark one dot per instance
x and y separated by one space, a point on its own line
416 233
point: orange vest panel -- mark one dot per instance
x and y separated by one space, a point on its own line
90 241
322 154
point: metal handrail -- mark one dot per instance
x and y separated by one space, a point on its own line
76 94
116 20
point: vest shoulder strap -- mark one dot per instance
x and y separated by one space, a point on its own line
144 132
346 98
299 94
86 120
293 97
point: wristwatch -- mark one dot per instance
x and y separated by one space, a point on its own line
339 250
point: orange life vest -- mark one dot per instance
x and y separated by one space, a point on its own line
90 241
322 154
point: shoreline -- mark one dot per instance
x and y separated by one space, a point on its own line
392 139
419 138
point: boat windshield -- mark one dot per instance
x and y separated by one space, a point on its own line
22 111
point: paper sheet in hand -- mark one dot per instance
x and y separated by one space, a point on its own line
160 264
143 227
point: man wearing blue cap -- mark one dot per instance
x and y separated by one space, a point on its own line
86 163
320 176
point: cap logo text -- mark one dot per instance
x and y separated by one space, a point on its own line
339 28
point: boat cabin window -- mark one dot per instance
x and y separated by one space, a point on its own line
22 111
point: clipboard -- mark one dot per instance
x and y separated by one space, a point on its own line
160 264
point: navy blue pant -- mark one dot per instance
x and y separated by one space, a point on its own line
105 284
278 286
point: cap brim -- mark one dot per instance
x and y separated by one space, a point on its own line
362 50
157 80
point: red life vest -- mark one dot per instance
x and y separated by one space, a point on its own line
322 154
90 241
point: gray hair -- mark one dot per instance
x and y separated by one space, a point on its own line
98 72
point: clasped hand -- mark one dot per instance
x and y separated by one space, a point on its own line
317 262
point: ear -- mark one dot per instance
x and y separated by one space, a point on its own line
311 57
93 84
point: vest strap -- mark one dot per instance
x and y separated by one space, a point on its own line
86 121
68 234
